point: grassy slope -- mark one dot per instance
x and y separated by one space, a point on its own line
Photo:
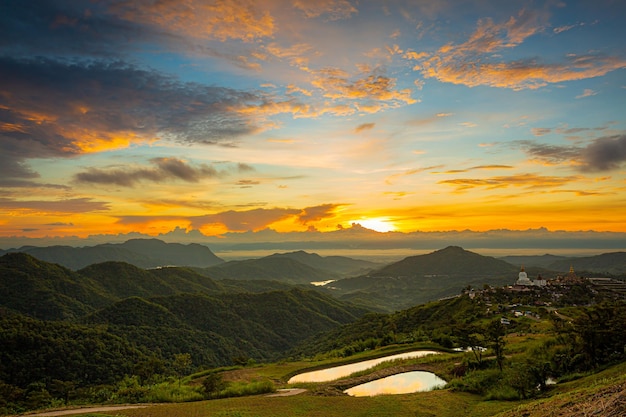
598 394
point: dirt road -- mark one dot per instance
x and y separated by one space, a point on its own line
84 410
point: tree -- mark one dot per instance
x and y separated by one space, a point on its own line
62 389
213 383
471 336
182 363
495 333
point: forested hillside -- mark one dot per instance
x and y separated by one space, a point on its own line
275 268
112 319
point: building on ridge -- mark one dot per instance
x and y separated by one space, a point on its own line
524 281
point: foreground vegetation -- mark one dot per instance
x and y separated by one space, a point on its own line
73 340
581 348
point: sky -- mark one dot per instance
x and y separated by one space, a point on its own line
222 117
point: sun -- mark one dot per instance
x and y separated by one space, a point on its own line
379 225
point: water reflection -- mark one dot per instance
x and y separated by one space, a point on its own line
408 382
330 374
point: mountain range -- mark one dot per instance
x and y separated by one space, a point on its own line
155 312
144 253
111 316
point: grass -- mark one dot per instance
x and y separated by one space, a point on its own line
250 384
434 403
564 400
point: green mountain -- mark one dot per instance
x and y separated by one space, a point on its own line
144 253
277 268
419 279
51 292
452 260
36 351
435 317
122 280
47 291
144 316
334 264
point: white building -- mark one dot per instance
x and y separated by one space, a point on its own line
524 281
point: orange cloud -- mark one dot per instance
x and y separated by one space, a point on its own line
456 171
521 180
220 20
371 87
334 9
470 63
364 126
392 178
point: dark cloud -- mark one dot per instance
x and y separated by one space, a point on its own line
247 183
552 154
603 154
74 205
317 213
244 167
242 221
166 169
364 126
67 28
53 108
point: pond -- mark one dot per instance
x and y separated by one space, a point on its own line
405 383
331 374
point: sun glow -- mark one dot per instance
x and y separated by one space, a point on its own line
379 225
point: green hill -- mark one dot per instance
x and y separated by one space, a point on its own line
160 313
35 351
48 291
452 260
333 264
277 268
419 279
123 280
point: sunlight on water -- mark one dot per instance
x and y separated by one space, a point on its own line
408 382
330 374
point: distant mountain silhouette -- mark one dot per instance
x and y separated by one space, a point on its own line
543 261
611 263
144 253
607 263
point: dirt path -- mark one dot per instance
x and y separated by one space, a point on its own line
287 392
85 410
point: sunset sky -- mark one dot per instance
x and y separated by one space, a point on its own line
233 116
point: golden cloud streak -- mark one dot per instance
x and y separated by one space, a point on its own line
522 180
